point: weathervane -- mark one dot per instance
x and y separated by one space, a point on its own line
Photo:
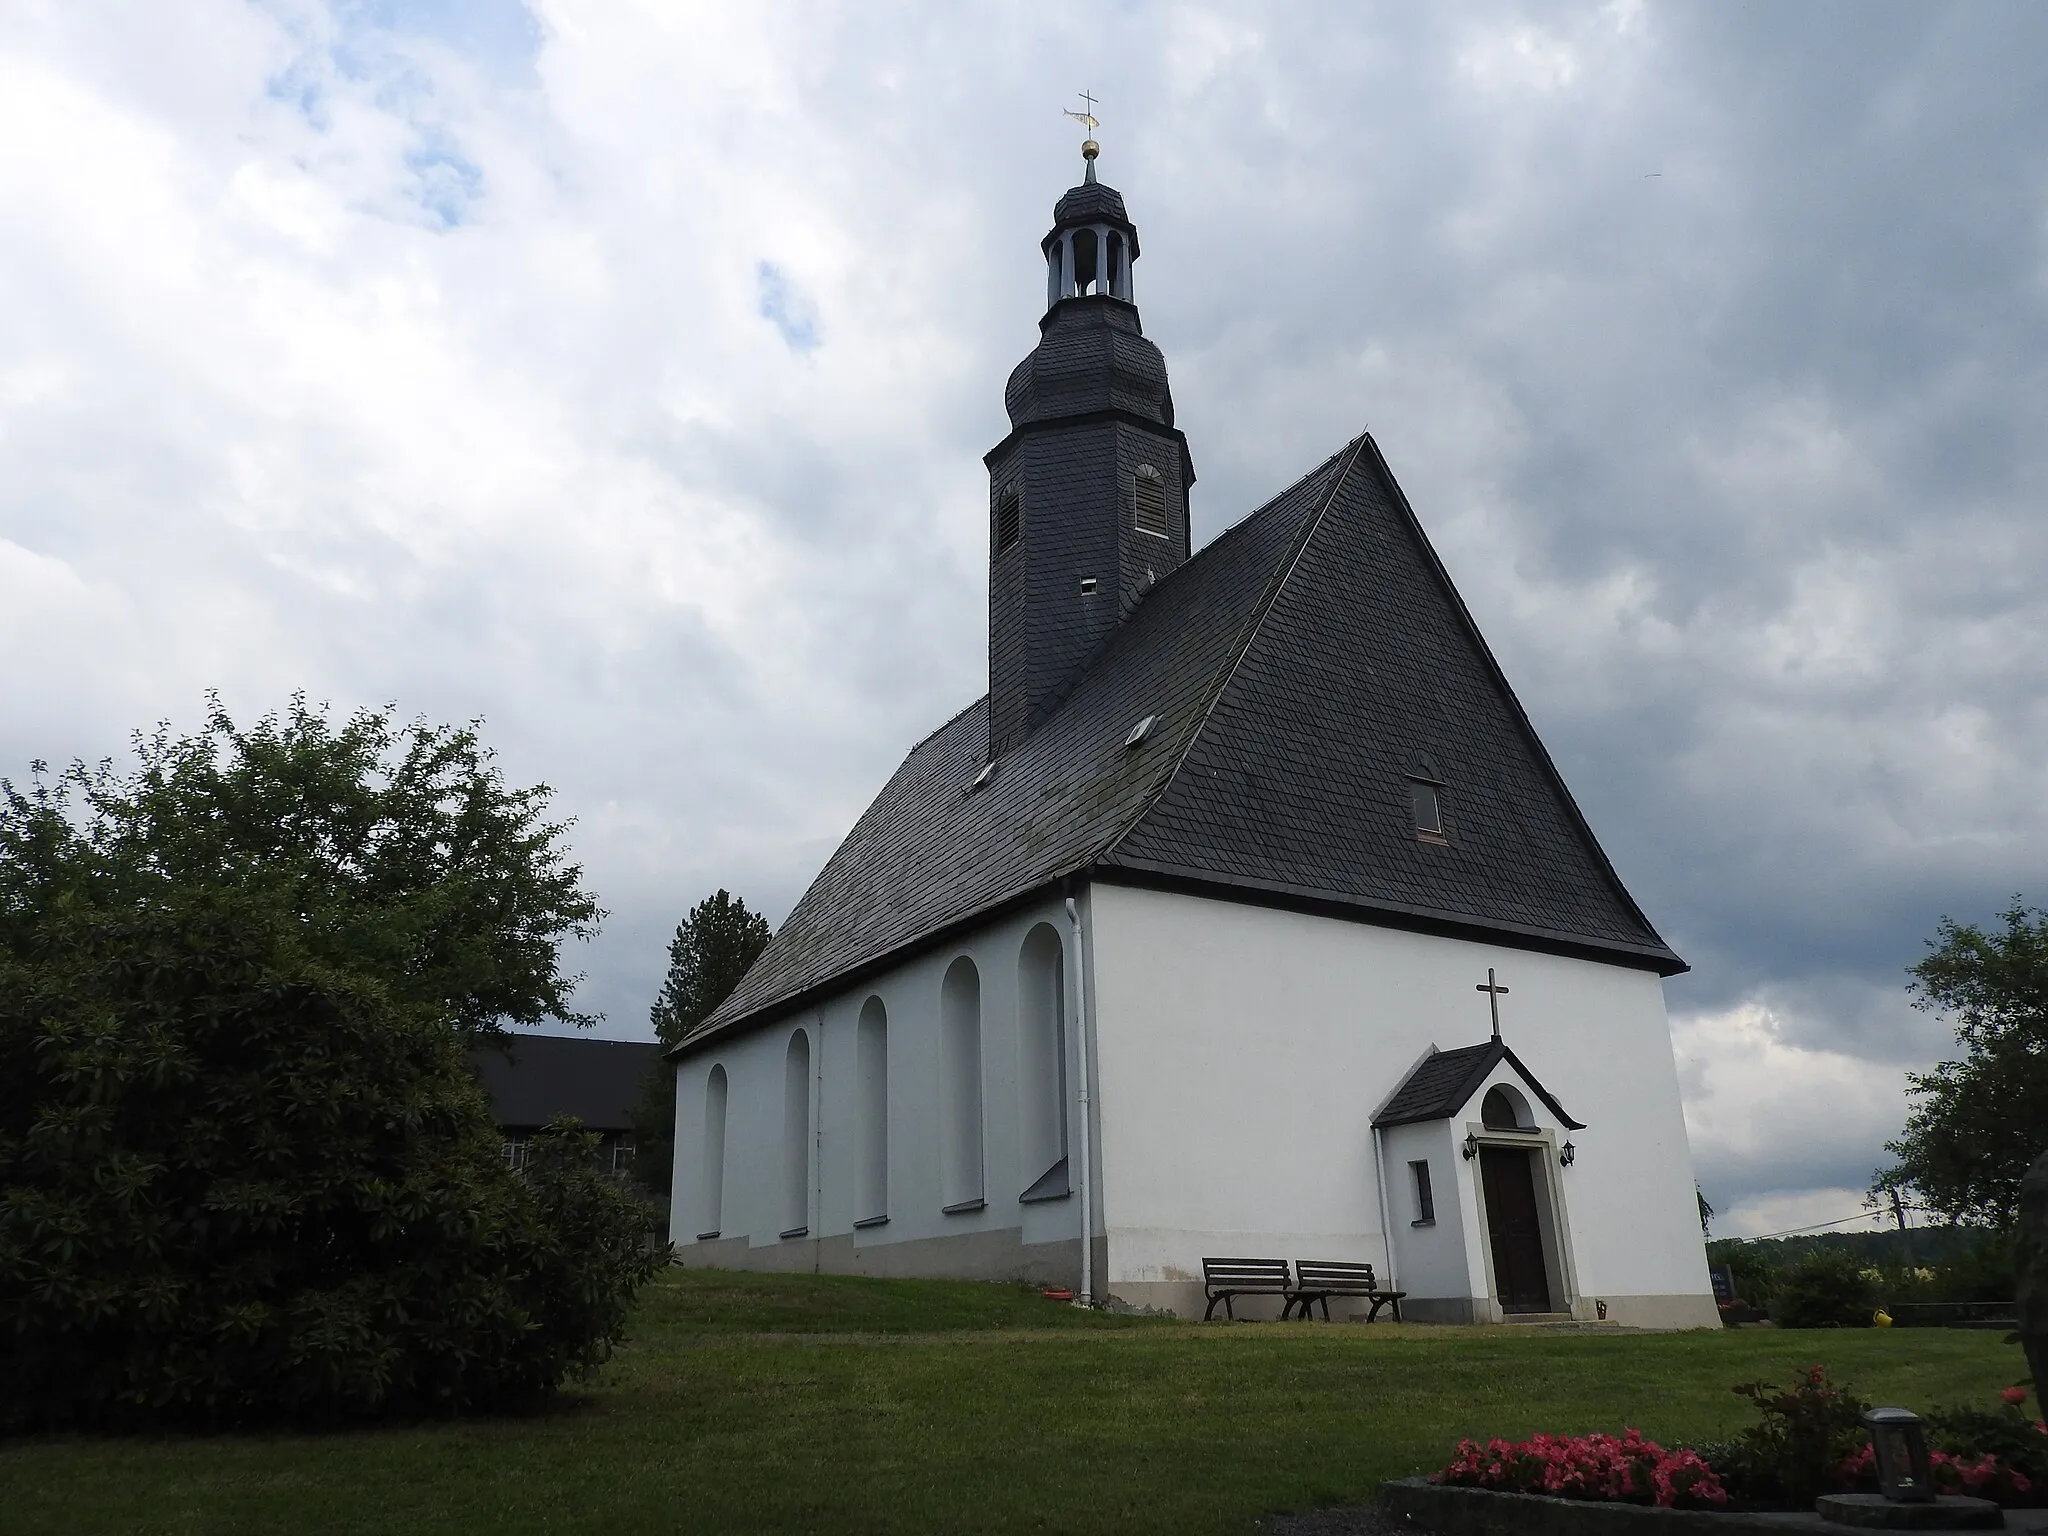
1089 148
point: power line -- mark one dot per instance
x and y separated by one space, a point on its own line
1762 1237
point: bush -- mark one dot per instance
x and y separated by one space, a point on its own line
1825 1290
1796 1453
246 1174
2011 1440
240 1186
1753 1276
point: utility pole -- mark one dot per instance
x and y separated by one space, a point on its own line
1899 1215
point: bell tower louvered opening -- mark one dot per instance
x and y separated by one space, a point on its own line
1009 527
1148 497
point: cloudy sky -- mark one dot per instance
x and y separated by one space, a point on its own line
619 372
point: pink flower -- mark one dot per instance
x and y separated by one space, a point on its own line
2014 1395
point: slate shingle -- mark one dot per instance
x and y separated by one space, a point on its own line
1443 1083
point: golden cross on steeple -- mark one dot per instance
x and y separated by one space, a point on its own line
1089 148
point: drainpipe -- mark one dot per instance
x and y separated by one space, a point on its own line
1080 990
1379 1177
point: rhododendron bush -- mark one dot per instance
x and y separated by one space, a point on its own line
1629 1470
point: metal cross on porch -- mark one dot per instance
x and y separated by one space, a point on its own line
1494 994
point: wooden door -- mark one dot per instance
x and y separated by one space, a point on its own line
1508 1177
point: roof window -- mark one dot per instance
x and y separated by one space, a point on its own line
1427 802
988 771
1141 730
1426 798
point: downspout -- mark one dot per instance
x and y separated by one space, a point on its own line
1080 991
1379 1177
818 1156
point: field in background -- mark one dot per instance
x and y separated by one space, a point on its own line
802 1403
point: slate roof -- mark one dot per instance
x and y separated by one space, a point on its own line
1297 666
1443 1083
1091 357
540 1077
1093 202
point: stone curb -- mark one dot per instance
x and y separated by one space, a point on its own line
1483 1512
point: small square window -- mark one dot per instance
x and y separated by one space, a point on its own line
1425 1200
1427 801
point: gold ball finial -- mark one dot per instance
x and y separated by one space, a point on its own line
1090 149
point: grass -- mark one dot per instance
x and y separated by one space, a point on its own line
805 1403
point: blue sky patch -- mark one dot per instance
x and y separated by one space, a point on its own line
787 308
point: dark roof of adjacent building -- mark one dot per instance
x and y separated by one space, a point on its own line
1297 669
538 1078
1443 1083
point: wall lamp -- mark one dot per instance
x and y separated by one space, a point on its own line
1567 1154
1471 1148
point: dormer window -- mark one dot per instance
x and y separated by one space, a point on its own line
1009 520
1149 501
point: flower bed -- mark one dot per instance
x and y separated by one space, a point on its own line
1811 1441
1630 1470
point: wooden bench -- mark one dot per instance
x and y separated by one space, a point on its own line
1320 1279
1224 1278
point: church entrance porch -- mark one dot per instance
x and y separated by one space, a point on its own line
1515 1229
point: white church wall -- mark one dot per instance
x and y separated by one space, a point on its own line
1244 1049
1431 1259
899 1048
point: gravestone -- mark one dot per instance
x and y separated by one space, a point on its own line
2030 1273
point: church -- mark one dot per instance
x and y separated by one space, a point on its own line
1245 916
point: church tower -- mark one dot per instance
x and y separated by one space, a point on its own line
1088 495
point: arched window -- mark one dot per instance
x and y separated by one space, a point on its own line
1042 1065
871 1071
711 1172
1148 496
796 1136
960 1087
1503 1109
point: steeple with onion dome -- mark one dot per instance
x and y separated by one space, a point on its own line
1088 495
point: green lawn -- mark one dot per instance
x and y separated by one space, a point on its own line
762 1403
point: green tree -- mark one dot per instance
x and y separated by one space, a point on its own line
400 850
246 1174
712 949
1980 1120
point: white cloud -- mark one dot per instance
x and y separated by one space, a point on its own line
1770 1116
